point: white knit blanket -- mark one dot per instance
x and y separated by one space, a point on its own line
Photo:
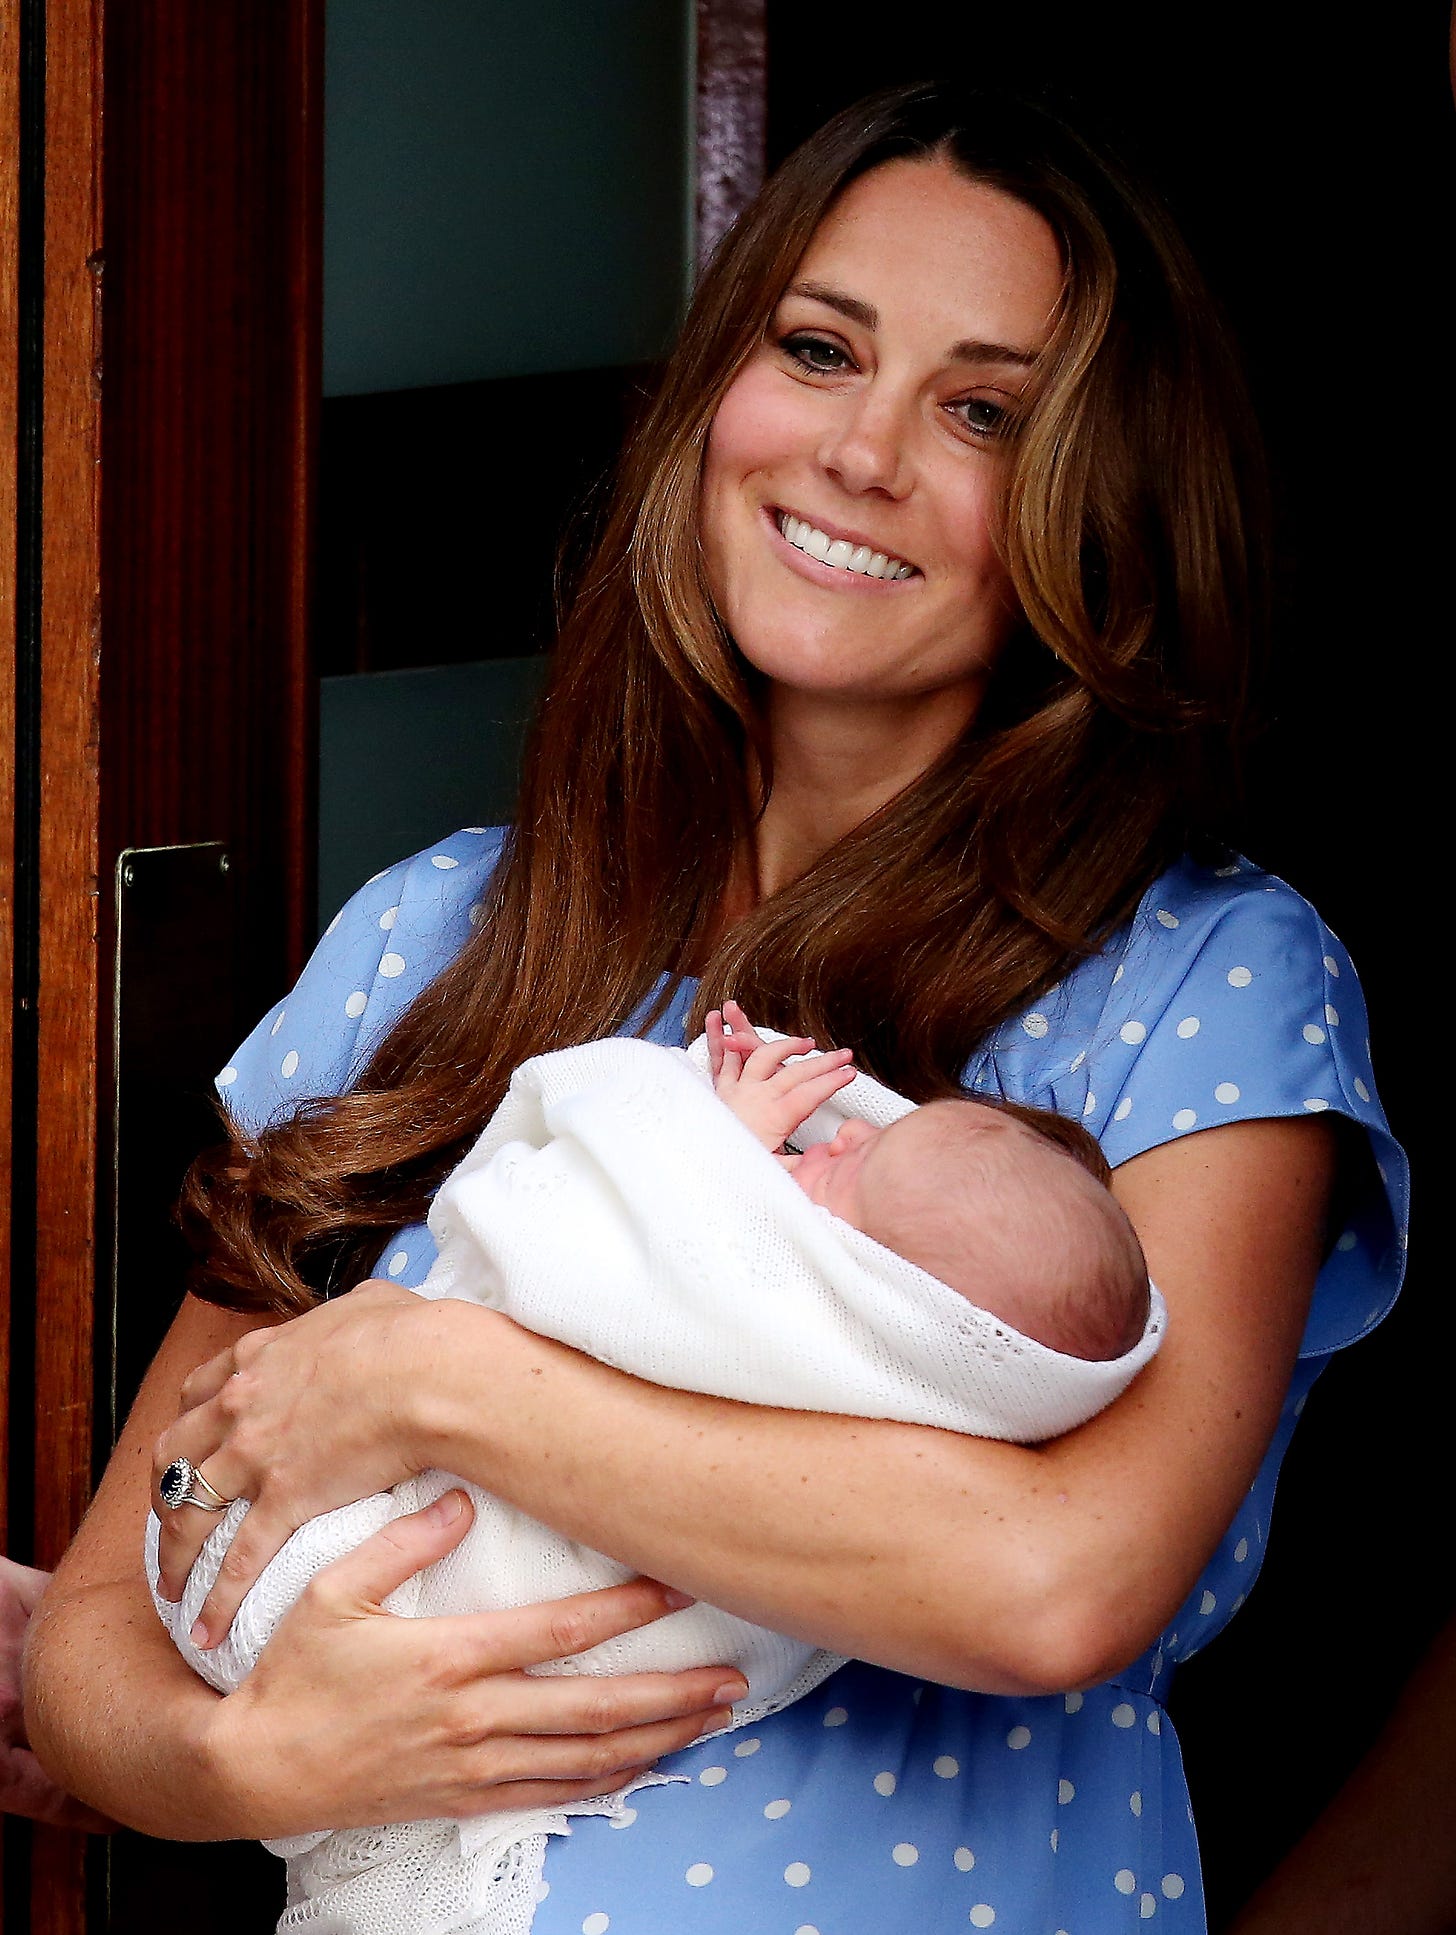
615 1204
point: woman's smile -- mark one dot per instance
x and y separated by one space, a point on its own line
825 554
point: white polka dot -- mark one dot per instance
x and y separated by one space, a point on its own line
1123 1109
946 1766
334 923
1118 974
1076 1062
1125 1881
1314 1036
388 918
797 1873
443 862
1035 1025
356 1004
699 1875
1207 1603
1148 1906
1135 1803
278 1022
904 1854
1054 1839
806 1928
477 914
982 1915
1332 966
1065 1792
397 1262
596 1925
1241 1551
1316 1104
1188 1027
1185 1118
1361 1090
1239 977
543 1888
1226 1092
475 829
1123 1715
1228 872
1018 1738
288 1067
836 1716
1173 1886
744 1747
1331 1016
964 1860
712 1776
376 876
776 1810
623 1820
391 965
1073 1703
227 1077
1155 1721
1090 1104
1165 919
885 1784
1132 1033
1346 1240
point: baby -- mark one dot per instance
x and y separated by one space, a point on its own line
971 1273
1008 1205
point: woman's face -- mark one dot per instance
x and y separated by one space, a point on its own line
853 470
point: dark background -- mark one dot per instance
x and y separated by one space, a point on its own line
1312 170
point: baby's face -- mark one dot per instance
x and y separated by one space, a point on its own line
861 1167
831 1173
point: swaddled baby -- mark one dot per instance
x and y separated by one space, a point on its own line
950 1265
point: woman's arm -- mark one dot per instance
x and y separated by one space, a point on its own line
974 1563
352 1717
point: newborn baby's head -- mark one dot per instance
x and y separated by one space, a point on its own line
1009 1206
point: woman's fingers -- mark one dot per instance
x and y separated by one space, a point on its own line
594 1759
585 1703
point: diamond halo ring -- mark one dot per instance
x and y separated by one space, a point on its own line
183 1484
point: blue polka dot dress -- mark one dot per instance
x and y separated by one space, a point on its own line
879 1804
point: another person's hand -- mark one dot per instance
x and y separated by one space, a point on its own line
452 1723
771 1086
24 1786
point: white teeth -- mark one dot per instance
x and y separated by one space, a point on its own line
840 553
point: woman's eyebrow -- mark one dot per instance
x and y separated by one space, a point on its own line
868 317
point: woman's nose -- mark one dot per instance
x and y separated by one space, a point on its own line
866 448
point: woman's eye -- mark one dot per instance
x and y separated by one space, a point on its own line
817 354
983 416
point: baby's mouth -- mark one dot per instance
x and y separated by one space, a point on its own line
839 553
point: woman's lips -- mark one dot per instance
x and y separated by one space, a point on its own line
845 559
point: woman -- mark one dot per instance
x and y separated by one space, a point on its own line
900 683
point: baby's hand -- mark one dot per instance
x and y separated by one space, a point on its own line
770 1093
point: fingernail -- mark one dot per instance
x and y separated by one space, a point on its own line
730 1691
446 1510
198 1635
677 1600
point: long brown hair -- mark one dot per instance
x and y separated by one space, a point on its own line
1103 746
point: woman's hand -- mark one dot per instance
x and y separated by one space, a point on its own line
300 1418
454 1724
25 1788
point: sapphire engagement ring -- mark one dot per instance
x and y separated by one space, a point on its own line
183 1484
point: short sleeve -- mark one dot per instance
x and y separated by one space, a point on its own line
1226 999
383 948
